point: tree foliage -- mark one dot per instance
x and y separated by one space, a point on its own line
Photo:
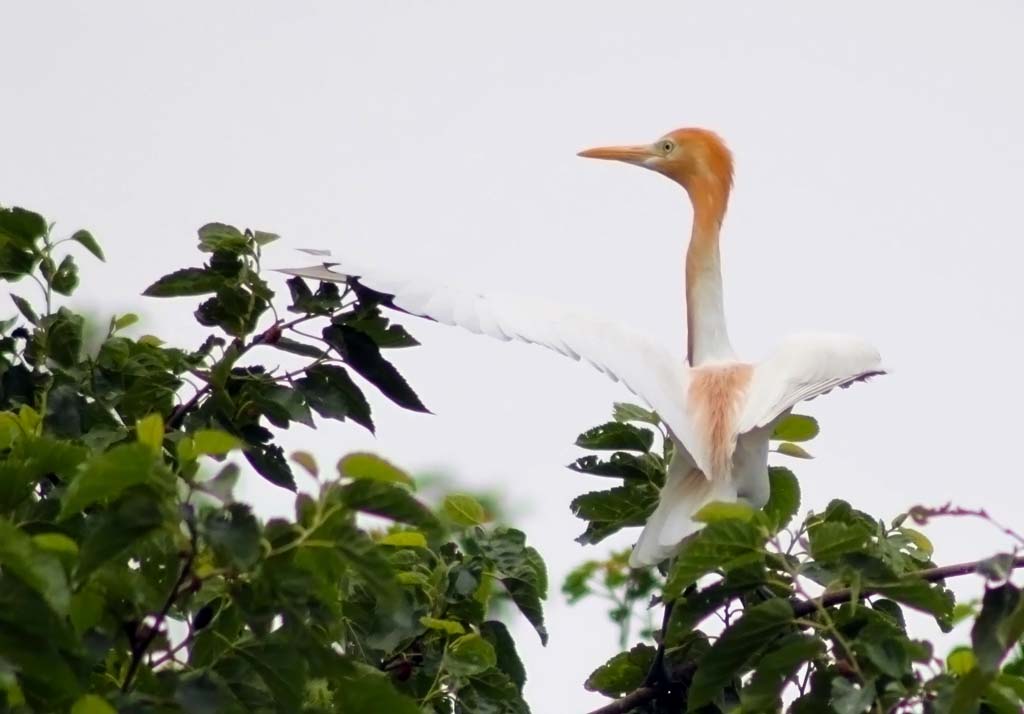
132 580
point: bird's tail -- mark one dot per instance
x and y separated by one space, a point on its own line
684 493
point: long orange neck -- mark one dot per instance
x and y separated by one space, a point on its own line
706 335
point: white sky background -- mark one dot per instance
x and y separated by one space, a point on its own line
879 168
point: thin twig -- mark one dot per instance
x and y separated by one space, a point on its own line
803 608
139 648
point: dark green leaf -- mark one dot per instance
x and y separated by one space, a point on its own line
737 645
187 281
297 348
614 509
25 308
234 534
622 465
623 673
206 693
504 646
85 239
22 227
921 595
333 395
362 355
129 519
784 501
269 461
65 279
615 436
991 636
775 667
368 691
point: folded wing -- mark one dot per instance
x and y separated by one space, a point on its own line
804 367
647 369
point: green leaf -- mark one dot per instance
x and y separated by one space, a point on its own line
468 655
387 501
509 662
333 395
214 442
150 431
624 411
796 427
368 691
737 645
611 510
295 347
960 661
717 511
363 465
787 448
22 227
65 278
234 534
206 693
449 626
306 461
520 569
850 698
269 461
85 239
921 595
645 467
38 568
623 673
995 631
725 545
106 476
187 281
616 435
129 519
405 539
64 336
363 355
25 308
830 540
464 510
784 501
92 704
773 670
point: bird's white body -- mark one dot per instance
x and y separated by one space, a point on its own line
720 411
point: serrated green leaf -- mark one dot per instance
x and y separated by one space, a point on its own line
363 465
508 662
623 411
725 545
463 510
830 540
614 436
623 673
796 427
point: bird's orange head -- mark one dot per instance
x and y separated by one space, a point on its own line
697 159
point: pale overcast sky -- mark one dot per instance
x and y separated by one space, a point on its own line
879 170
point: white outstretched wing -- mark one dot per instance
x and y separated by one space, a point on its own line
804 367
645 368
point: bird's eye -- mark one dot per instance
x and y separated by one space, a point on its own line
667 146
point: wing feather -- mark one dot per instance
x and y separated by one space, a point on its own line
651 372
804 367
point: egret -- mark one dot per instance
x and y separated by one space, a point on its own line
719 410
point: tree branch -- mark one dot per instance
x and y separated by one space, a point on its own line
801 608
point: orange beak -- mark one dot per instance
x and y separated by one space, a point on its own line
637 154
